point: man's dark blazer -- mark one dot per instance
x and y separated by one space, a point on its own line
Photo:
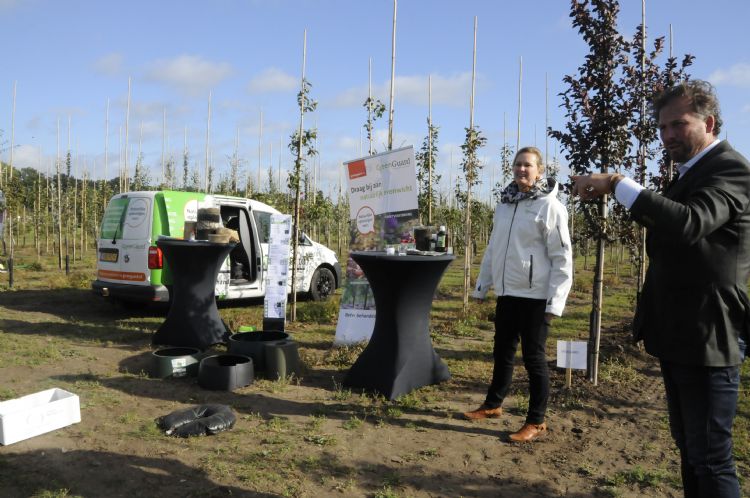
694 304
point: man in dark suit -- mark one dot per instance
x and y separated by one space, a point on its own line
694 313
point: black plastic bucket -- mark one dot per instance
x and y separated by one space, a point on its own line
253 344
225 372
175 362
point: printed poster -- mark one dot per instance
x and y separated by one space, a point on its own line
383 211
274 304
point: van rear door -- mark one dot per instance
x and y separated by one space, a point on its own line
124 241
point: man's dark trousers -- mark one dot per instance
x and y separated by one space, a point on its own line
702 402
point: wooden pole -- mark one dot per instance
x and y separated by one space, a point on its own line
12 140
429 150
59 201
163 141
127 126
393 77
260 147
297 173
469 177
208 144
520 85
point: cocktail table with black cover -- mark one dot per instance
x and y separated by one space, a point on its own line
400 356
193 319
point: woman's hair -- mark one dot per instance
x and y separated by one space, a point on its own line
702 97
536 152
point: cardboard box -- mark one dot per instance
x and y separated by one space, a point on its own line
37 413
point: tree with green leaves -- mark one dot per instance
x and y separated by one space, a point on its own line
596 135
426 159
471 167
302 146
375 110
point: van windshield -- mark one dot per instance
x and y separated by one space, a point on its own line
126 218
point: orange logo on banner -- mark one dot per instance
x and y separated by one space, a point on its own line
122 275
357 169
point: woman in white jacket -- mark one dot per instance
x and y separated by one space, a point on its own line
528 262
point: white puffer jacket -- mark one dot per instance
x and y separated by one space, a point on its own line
529 254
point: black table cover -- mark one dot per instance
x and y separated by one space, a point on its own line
400 356
193 319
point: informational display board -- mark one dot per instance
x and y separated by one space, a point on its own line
383 211
274 305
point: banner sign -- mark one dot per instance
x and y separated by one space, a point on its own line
274 305
383 210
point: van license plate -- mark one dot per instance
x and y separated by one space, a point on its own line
109 257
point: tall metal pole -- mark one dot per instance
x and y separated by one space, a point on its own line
393 78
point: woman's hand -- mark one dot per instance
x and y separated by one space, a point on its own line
548 317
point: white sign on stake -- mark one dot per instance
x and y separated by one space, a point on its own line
571 354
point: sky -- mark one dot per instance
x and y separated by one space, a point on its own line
69 60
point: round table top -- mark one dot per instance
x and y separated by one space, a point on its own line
192 243
381 255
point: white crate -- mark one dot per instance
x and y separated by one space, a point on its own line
37 413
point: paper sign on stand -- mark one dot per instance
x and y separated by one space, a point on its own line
274 304
571 355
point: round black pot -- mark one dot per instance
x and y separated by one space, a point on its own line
225 372
253 344
175 362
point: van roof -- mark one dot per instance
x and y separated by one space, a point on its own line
224 199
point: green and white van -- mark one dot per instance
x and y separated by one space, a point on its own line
131 268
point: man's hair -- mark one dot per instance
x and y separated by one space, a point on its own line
531 150
700 94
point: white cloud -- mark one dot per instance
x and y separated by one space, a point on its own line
110 64
189 74
737 75
25 156
273 80
451 91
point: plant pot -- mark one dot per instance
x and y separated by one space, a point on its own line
282 360
225 372
253 344
175 362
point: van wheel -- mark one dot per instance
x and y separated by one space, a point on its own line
323 284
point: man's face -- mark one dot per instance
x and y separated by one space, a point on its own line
684 133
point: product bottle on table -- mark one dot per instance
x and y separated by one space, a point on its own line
440 242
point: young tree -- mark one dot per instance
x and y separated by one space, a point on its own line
596 132
426 176
302 146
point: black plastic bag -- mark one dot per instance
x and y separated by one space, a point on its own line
202 420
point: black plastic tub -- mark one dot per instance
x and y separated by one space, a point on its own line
226 372
175 362
253 344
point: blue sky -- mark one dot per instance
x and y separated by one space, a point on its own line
68 58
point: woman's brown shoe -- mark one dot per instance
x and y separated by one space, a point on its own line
483 412
528 433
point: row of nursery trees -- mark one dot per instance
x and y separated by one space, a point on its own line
608 127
